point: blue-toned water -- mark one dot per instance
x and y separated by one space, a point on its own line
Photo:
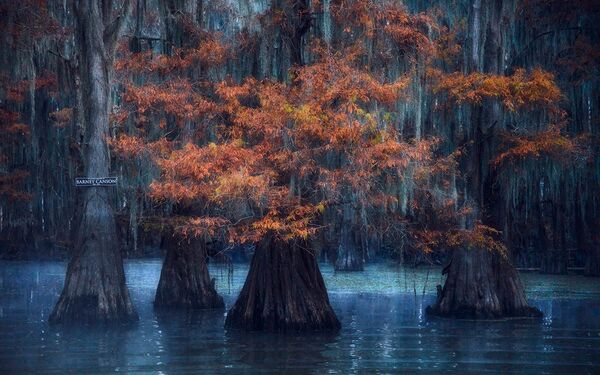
385 330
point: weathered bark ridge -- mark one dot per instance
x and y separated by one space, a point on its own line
184 279
284 291
481 284
95 289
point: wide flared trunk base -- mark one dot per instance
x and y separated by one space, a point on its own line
184 279
95 290
481 284
284 291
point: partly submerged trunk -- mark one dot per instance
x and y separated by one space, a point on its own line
95 289
349 253
554 262
554 257
481 284
284 291
184 279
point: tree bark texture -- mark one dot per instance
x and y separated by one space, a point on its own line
95 289
349 252
184 279
284 291
481 284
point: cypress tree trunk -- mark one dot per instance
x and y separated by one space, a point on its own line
481 284
95 289
349 252
284 291
554 262
554 257
184 279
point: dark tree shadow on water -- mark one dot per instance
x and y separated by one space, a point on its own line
306 353
195 341
191 341
84 348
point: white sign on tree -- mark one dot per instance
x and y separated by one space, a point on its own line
95 181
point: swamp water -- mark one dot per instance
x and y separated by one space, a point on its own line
384 329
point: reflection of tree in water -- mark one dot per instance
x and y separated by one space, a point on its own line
303 353
104 348
191 339
381 331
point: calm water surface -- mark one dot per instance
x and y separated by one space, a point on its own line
385 330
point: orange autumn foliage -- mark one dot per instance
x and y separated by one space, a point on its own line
174 89
520 91
447 44
550 142
174 97
62 117
536 88
130 146
267 170
479 237
208 52
408 32
12 179
272 157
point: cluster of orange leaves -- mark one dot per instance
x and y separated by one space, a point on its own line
13 132
175 97
521 89
447 47
10 125
62 117
550 142
479 237
208 52
131 146
16 91
409 32
204 226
